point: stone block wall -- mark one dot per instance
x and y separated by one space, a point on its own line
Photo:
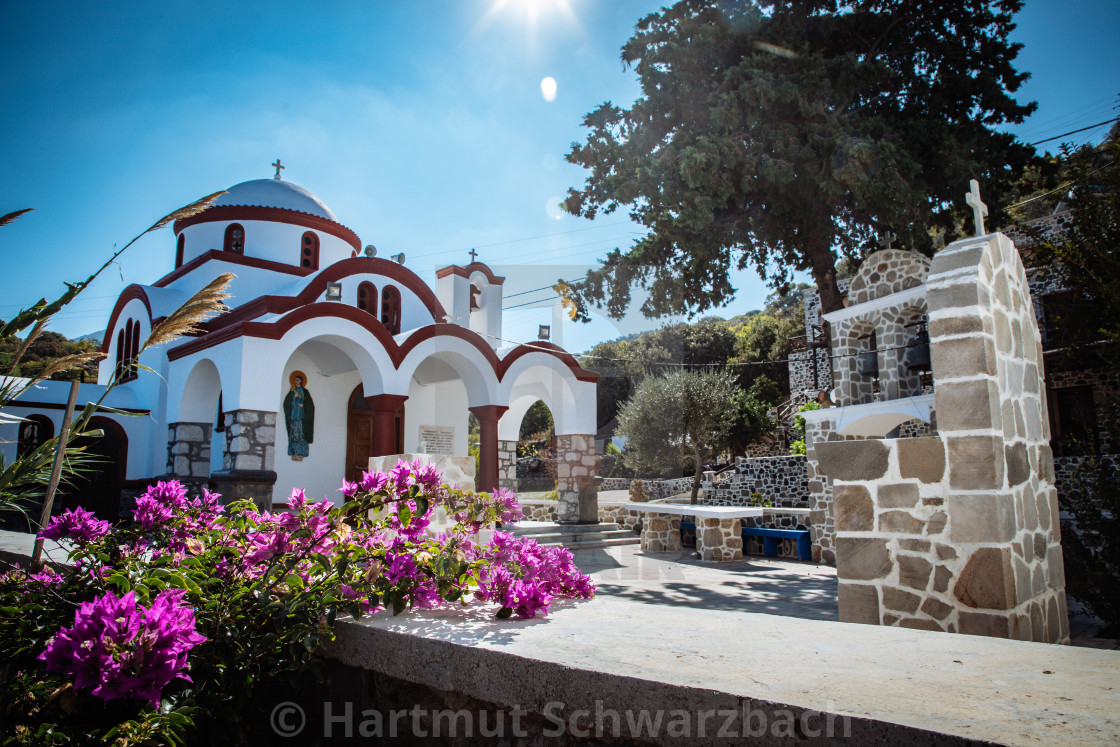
782 480
507 465
960 532
188 453
615 483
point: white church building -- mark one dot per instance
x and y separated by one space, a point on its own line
328 356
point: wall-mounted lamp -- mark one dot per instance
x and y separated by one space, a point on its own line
544 332
334 291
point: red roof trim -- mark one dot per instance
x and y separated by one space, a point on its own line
219 213
233 259
466 272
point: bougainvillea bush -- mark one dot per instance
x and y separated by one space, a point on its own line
188 621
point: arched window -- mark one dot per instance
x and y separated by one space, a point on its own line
128 347
309 251
180 246
33 433
120 353
367 298
391 309
134 353
235 239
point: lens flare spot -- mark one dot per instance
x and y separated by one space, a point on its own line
552 207
548 88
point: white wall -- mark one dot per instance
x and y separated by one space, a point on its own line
277 242
444 403
320 473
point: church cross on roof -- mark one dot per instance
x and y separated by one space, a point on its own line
278 167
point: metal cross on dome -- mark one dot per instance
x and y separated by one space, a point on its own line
886 239
474 255
979 209
278 167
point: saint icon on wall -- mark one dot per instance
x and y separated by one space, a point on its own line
299 416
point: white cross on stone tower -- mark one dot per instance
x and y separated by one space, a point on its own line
278 167
979 209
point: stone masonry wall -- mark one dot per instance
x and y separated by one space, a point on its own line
960 532
188 453
250 440
507 465
782 480
576 466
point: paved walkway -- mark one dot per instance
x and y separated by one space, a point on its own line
763 585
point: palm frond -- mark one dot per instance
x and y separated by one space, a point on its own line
186 211
6 219
198 308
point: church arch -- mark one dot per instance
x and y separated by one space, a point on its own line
547 378
360 446
309 250
234 241
201 395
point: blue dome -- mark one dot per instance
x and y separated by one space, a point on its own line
275 193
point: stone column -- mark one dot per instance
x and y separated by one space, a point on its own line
719 539
488 445
507 465
248 460
662 533
385 408
188 453
576 463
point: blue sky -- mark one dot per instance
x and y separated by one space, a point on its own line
421 124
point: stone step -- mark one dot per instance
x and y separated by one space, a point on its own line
564 539
534 528
575 536
576 546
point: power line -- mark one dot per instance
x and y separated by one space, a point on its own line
518 241
1074 132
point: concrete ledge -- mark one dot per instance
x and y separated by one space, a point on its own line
898 686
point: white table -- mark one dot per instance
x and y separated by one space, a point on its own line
719 533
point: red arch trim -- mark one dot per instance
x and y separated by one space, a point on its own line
338 271
397 353
130 293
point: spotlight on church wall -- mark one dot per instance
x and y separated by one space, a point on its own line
334 291
398 258
371 250
544 332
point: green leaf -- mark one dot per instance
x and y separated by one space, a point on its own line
504 612
404 513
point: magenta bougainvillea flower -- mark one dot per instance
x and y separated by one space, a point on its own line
525 576
118 649
159 503
75 524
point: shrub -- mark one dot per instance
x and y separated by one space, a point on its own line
184 621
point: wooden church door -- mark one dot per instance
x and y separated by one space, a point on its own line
359 436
